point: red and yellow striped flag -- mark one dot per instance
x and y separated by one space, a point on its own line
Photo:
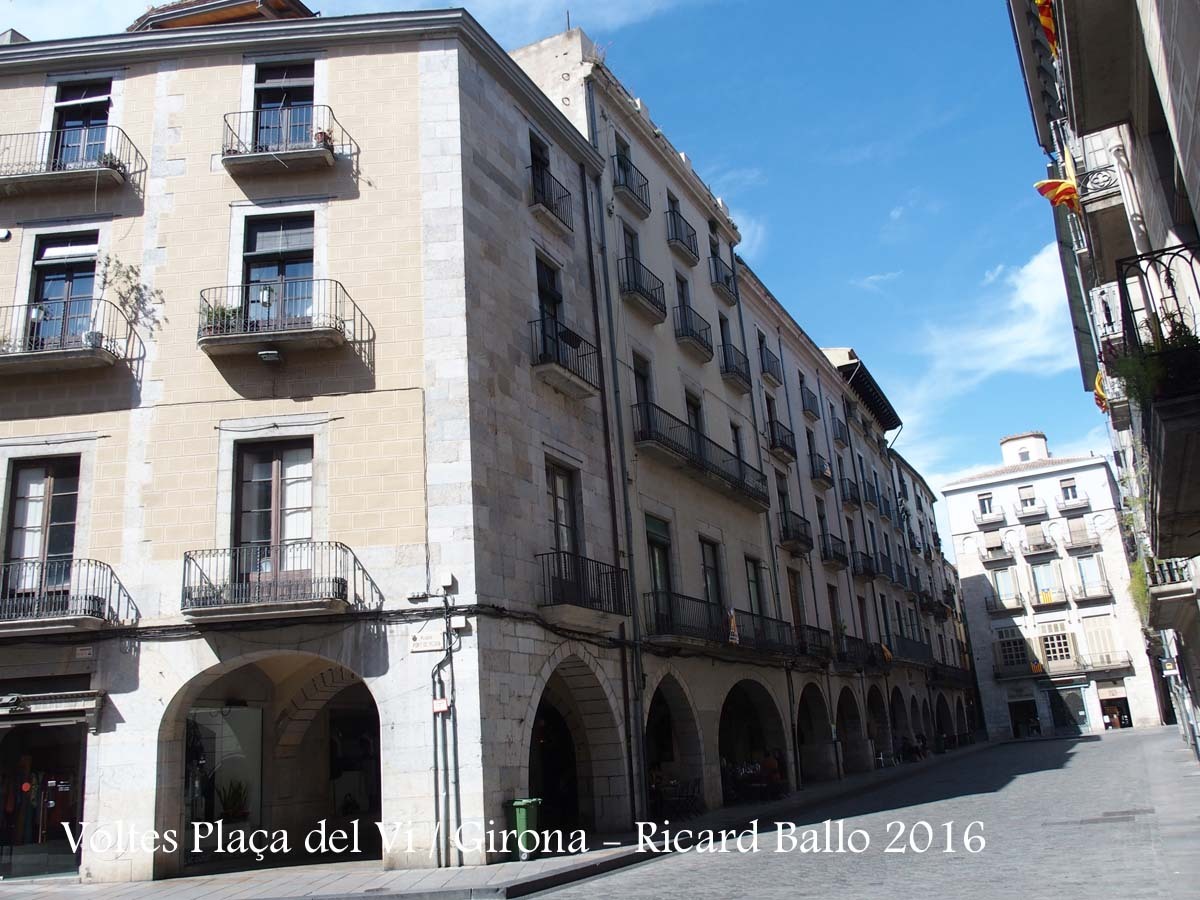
1101 396
1060 192
1046 16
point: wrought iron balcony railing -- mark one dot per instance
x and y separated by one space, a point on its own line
304 572
833 549
913 651
850 493
841 433
1030 510
900 575
682 236
550 194
1168 571
883 565
736 366
850 650
54 326
795 531
864 564
286 306
1099 180
885 508
100 149
995 554
722 278
1080 501
37 591
1092 590
1082 541
678 615
553 343
628 179
772 368
781 439
763 632
692 327
812 641
809 402
870 494
820 470
1013 603
987 519
1046 597
284 131
635 278
653 424
574 580
1037 548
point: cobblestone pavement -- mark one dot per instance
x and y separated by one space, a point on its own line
1113 816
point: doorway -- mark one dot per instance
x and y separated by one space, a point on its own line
1023 716
1115 712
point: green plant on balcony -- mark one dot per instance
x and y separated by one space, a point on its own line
110 161
221 319
1170 367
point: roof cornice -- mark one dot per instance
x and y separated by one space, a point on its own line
452 24
1052 466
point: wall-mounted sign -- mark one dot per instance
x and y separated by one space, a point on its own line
427 642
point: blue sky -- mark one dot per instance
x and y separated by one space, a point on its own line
880 164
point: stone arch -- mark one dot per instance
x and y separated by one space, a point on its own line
674 743
752 742
574 706
960 718
927 722
901 723
879 726
814 735
914 717
291 725
857 752
944 721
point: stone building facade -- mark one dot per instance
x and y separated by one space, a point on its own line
357 466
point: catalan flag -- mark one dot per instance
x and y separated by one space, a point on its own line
1046 17
1101 396
1060 192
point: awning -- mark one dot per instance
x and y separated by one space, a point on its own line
66 708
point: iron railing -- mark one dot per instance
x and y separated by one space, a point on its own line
850 650
1093 590
1168 571
574 580
850 493
1099 180
795 529
81 323
1085 541
870 494
653 424
950 675
637 279
864 564
1048 597
820 470
995 517
900 575
1013 603
908 649
1079 501
735 364
1035 548
813 641
287 129
555 344
69 150
62 588
265 574
680 233
771 366
629 177
1160 294
721 275
690 325
809 402
780 437
1030 510
763 632
885 508
841 433
678 615
883 565
833 549
995 554
287 305
551 194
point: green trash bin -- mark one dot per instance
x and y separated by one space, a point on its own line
525 818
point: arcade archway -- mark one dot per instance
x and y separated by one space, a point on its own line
753 745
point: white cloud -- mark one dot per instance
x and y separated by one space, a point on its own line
734 180
896 213
875 282
754 235
993 273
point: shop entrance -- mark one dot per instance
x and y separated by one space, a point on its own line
1066 706
41 790
1023 714
1116 713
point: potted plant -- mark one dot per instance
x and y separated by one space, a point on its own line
110 161
235 800
322 138
221 320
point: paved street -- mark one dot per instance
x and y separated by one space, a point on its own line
1109 817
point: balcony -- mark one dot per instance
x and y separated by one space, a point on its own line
1032 510
294 313
814 642
631 185
1027 669
1172 594
642 289
550 200
724 282
870 495
583 594
1094 663
1081 542
850 652
907 649
863 565
885 509
810 404
764 633
288 139
1092 592
670 615
735 368
795 533
1013 605
990 519
772 369
821 471
781 441
883 566
97 158
841 434
59 335
563 359
60 597
850 495
693 333
834 552
1073 504
950 676
1047 599
900 575
992 556
1038 548
681 237
657 431
878 660
263 581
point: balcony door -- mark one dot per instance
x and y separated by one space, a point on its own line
60 312
80 124
278 268
550 299
1091 573
283 107
40 543
273 552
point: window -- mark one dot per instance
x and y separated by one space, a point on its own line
695 413
754 584
59 314
835 612
274 515
80 123
782 492
641 380
772 414
900 619
633 248
1056 642
993 544
985 504
710 571
723 327
549 288
1035 537
658 539
560 490
796 589
40 544
539 154
278 273
862 619
941 648
1028 498
283 106
1005 585
735 435
1091 572
1099 633
1011 650
682 292
1067 486
1078 530
1023 456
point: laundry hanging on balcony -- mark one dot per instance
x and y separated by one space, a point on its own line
1060 192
